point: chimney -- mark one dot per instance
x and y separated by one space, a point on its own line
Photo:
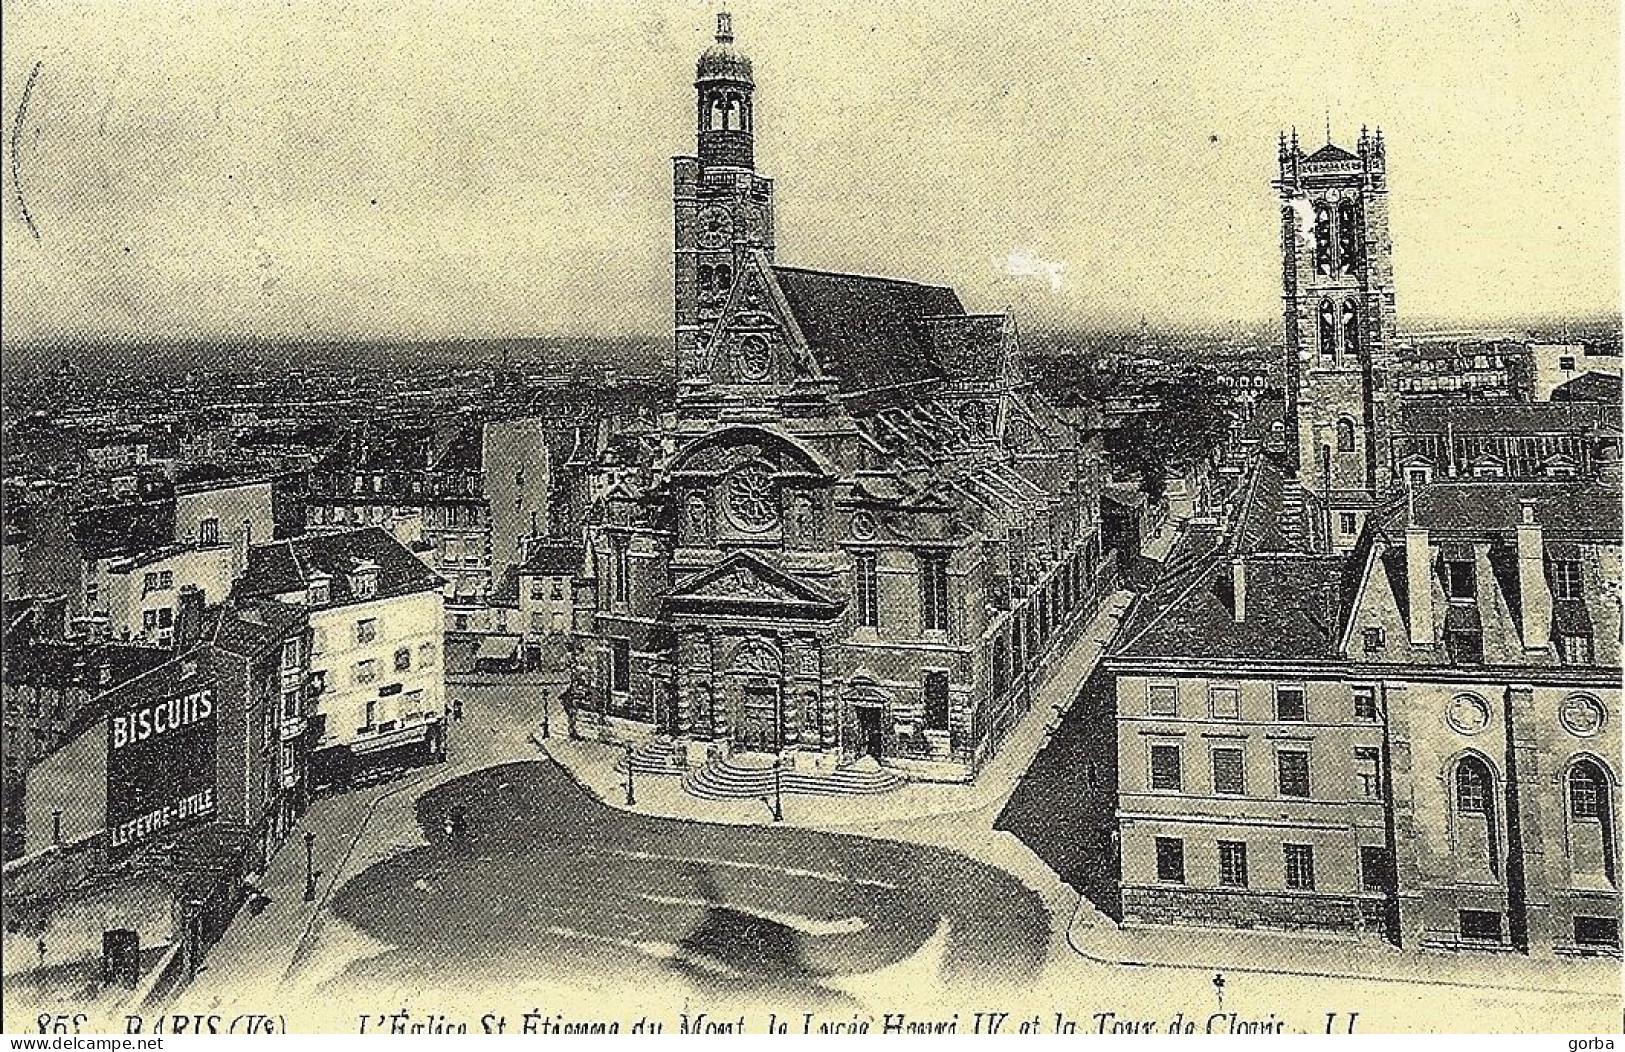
1534 597
1419 585
1238 589
189 617
239 551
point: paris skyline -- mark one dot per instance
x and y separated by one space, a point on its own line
387 172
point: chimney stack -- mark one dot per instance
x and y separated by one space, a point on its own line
1534 597
189 617
1419 585
1238 589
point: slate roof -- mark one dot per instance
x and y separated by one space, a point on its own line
256 625
123 529
559 559
869 332
1589 387
1501 418
1584 510
1294 610
78 664
288 566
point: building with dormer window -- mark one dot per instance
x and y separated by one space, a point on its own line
376 623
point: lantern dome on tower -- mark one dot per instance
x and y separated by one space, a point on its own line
723 61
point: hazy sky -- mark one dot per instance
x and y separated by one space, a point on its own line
486 169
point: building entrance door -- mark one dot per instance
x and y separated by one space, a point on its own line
759 718
870 738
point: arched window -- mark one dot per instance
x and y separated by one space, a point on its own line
705 277
1328 331
724 277
1323 239
1474 827
1348 238
1591 822
1345 435
1351 329
1472 787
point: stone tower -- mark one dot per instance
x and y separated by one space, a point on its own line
724 210
1338 292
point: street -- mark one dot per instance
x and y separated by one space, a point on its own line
553 901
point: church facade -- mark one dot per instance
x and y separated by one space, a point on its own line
857 532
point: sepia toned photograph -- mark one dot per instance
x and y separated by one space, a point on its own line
794 517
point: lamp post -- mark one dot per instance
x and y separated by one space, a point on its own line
547 712
630 798
778 788
310 866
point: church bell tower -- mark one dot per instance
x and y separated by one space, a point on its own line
1340 321
723 208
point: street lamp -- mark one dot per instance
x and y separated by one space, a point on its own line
630 798
778 788
547 712
310 866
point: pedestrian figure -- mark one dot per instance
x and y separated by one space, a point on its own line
457 709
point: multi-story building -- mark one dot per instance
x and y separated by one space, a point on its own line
209 732
51 689
1413 734
544 587
860 531
1419 743
468 495
376 622
1465 370
1440 441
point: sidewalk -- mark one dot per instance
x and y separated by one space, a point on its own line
592 764
1094 936
259 952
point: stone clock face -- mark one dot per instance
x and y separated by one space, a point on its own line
716 228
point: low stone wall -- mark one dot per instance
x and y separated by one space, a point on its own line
1246 908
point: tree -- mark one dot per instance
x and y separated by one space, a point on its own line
1189 418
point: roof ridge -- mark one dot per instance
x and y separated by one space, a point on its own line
1196 579
869 277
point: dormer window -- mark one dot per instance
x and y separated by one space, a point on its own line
364 583
321 592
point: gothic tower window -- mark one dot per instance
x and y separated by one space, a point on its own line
1328 331
1323 239
1351 329
724 278
1345 435
1348 238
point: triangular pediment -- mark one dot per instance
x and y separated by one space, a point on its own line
755 339
744 580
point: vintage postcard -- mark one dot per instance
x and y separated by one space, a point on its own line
797 517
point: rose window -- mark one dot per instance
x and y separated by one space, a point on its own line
751 503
